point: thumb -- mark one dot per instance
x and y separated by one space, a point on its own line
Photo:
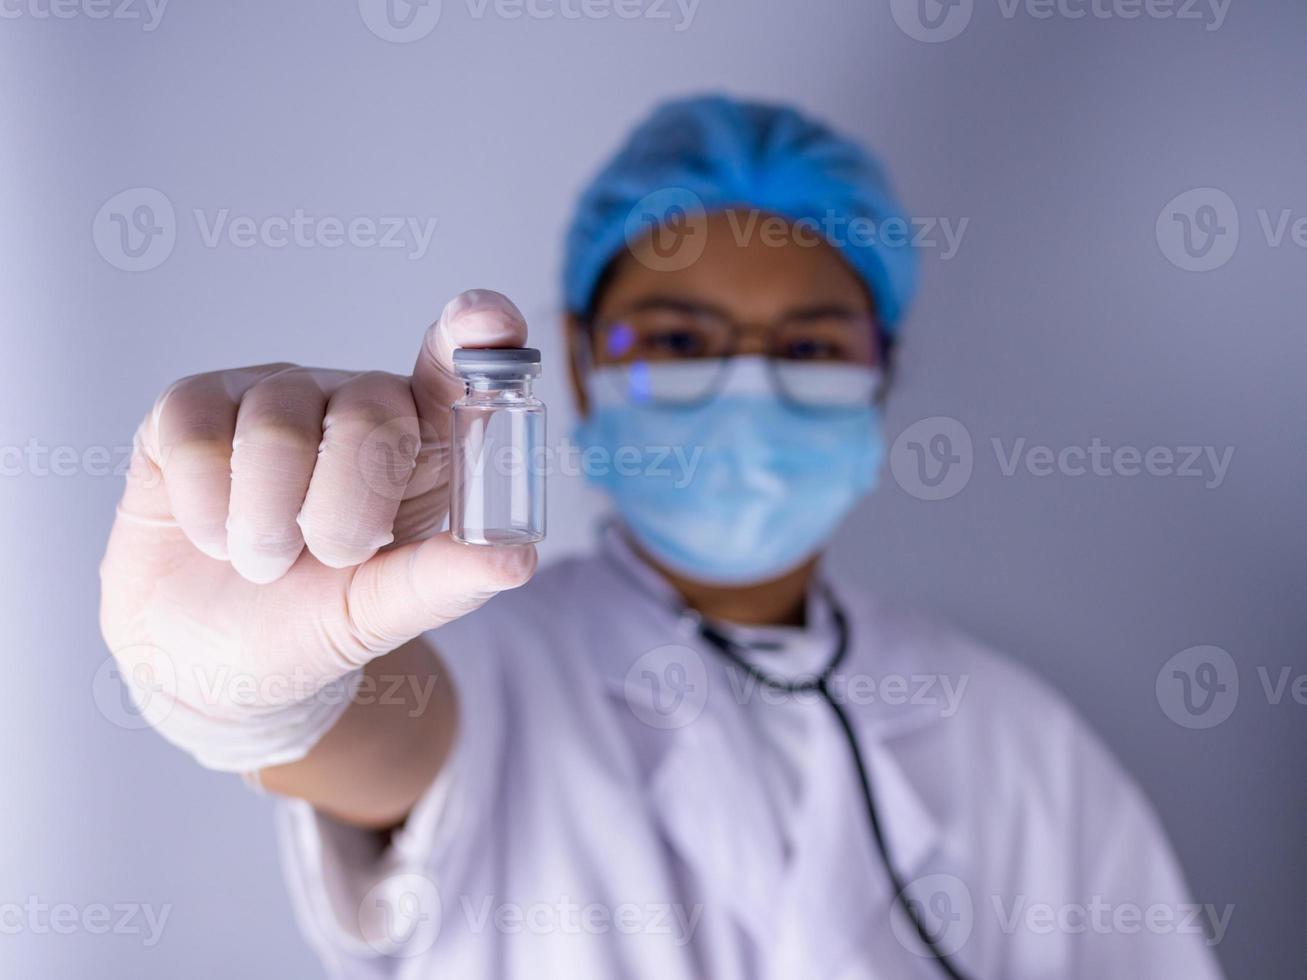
399 594
475 318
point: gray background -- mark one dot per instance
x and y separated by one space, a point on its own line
1060 319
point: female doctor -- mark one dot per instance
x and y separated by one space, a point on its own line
692 754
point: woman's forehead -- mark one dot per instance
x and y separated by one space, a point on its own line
751 264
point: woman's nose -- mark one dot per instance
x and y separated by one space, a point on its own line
752 340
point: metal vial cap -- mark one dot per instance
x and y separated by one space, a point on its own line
497 362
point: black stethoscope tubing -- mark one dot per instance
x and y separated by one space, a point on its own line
820 684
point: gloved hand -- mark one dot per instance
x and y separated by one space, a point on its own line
277 532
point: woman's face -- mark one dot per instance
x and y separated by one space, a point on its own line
754 270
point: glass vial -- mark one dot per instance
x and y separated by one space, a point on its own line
497 481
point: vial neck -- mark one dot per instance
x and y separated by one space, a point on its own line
507 389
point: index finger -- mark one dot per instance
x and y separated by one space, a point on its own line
475 318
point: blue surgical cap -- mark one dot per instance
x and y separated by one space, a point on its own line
723 153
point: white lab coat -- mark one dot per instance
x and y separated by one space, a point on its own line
613 809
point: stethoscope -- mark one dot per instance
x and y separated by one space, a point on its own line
820 684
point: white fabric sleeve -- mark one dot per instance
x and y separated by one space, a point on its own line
256 739
339 876
1140 920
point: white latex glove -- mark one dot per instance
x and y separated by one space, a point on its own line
277 533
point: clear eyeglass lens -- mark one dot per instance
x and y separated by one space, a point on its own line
633 348
650 383
819 362
826 362
826 385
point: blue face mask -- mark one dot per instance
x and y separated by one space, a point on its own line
740 489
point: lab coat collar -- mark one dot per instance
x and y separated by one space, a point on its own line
711 802
877 650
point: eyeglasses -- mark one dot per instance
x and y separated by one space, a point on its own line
824 359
